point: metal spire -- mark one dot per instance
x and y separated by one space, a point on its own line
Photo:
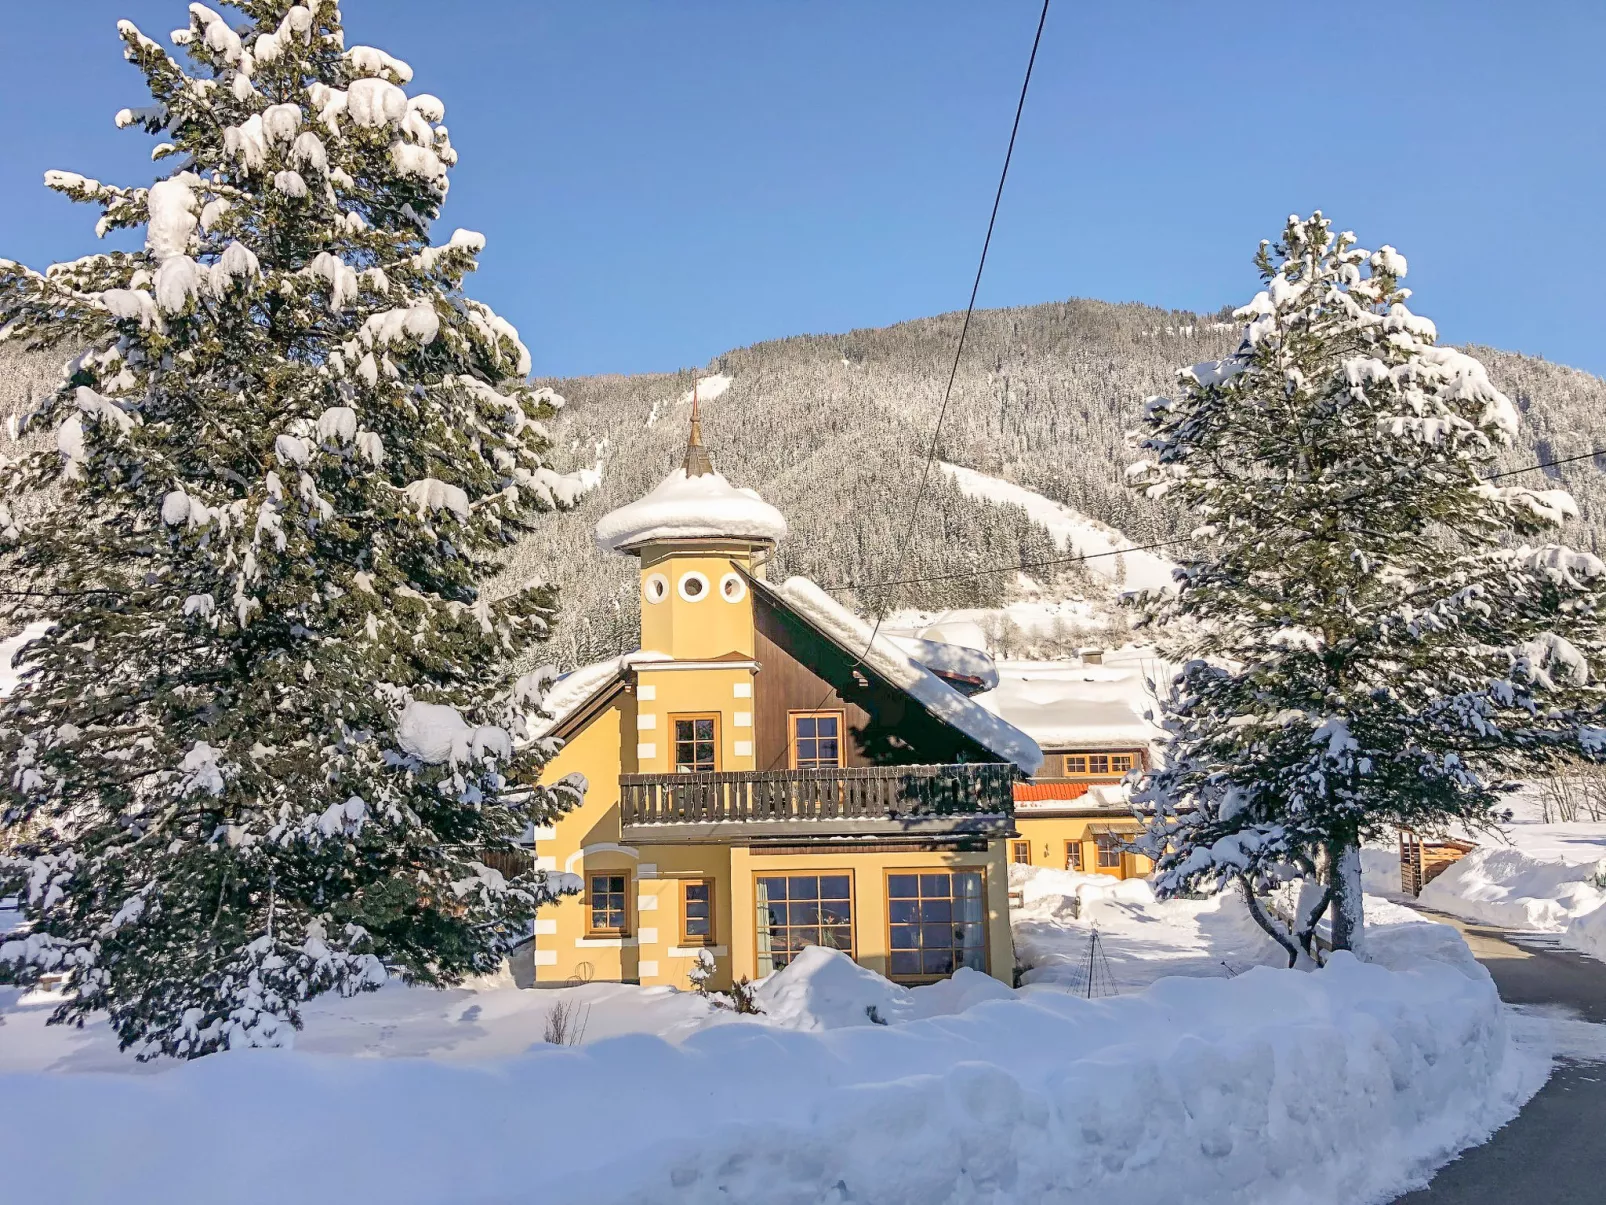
697 462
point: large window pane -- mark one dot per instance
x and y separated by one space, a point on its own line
936 923
800 910
937 962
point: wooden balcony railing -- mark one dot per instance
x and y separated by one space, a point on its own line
883 796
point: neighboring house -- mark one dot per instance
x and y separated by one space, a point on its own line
764 776
1088 719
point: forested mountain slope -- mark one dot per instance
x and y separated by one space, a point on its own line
833 429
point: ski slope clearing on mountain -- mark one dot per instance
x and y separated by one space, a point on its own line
1073 532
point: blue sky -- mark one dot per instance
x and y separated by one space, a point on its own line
660 182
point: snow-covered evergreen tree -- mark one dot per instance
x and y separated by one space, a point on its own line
272 731
1367 644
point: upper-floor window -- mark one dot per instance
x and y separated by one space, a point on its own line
1099 763
696 742
816 740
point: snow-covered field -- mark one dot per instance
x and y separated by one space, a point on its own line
1534 877
1190 1084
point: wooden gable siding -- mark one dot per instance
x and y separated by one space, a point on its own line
801 670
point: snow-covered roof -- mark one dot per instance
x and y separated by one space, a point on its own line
951 660
894 665
1073 706
580 685
704 506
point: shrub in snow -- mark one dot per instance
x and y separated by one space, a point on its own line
261 751
1371 645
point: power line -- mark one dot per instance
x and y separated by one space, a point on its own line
1548 464
964 329
953 372
962 574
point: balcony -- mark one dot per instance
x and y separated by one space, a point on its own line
950 801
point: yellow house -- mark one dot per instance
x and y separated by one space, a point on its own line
1075 813
763 775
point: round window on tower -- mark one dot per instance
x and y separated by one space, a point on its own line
732 587
656 588
693 587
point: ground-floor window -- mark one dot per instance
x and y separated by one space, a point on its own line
797 910
937 921
697 912
1109 850
1021 851
609 905
1073 855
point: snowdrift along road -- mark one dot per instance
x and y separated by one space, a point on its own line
1341 1086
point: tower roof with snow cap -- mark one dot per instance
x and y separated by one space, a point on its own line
693 503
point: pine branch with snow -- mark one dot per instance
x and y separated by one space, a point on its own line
1369 642
273 730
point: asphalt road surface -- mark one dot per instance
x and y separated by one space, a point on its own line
1554 1151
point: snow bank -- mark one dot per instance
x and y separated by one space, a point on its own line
825 989
1072 532
892 663
1380 869
683 508
1511 887
1344 1085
